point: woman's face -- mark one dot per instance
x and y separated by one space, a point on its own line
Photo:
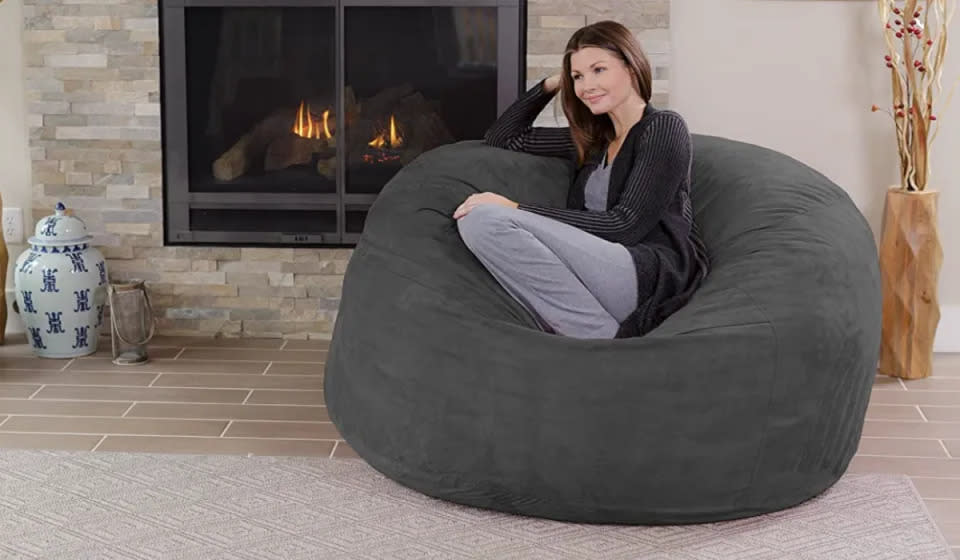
600 79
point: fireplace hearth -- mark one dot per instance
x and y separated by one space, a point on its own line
282 121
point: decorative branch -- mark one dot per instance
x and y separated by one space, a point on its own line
915 79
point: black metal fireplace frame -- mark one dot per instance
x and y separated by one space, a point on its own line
178 200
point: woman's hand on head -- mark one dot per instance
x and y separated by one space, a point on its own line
552 83
477 199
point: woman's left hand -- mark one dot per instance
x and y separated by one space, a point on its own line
475 200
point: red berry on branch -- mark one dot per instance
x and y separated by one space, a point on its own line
897 21
922 69
913 21
900 106
929 42
899 34
916 63
896 10
887 58
933 118
874 108
889 65
888 26
899 113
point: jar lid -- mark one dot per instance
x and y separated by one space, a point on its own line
60 229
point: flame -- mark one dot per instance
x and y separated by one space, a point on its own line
394 141
306 126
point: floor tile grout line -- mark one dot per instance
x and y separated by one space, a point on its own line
913 438
922 415
168 372
902 384
64 368
239 388
79 417
906 421
266 369
182 350
231 360
873 391
225 428
175 418
908 437
103 439
874 405
129 408
4 421
217 371
247 398
209 437
945 450
334 449
934 457
191 403
30 398
154 380
936 405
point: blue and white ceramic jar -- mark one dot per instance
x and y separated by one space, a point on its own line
61 284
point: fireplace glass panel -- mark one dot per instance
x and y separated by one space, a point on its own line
405 97
261 99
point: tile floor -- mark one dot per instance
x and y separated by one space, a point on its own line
265 397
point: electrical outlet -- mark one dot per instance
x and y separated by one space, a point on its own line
13 225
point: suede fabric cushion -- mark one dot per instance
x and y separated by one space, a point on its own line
748 400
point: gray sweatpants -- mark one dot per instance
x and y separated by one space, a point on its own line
571 281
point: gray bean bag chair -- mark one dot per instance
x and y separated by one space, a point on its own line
748 400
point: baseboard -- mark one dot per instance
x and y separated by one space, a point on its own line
947 338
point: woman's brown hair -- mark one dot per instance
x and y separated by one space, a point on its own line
590 131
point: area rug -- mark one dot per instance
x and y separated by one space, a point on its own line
79 505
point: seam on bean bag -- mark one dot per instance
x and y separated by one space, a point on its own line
773 385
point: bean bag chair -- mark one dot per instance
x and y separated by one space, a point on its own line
749 399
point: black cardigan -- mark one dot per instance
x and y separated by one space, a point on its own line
648 204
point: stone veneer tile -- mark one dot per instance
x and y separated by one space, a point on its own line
93 114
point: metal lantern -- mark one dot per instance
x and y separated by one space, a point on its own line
132 322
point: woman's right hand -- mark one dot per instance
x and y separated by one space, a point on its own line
552 83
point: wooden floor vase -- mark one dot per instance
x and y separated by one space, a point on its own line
910 260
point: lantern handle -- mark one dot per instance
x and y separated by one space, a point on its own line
113 316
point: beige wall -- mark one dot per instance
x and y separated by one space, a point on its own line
14 155
800 77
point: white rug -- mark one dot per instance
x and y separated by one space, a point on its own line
80 505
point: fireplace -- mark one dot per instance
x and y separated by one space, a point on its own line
283 120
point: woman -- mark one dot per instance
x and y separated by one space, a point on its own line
625 253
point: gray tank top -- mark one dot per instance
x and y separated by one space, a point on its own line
595 192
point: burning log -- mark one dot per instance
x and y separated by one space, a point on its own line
327 167
393 127
251 146
412 126
274 143
291 149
